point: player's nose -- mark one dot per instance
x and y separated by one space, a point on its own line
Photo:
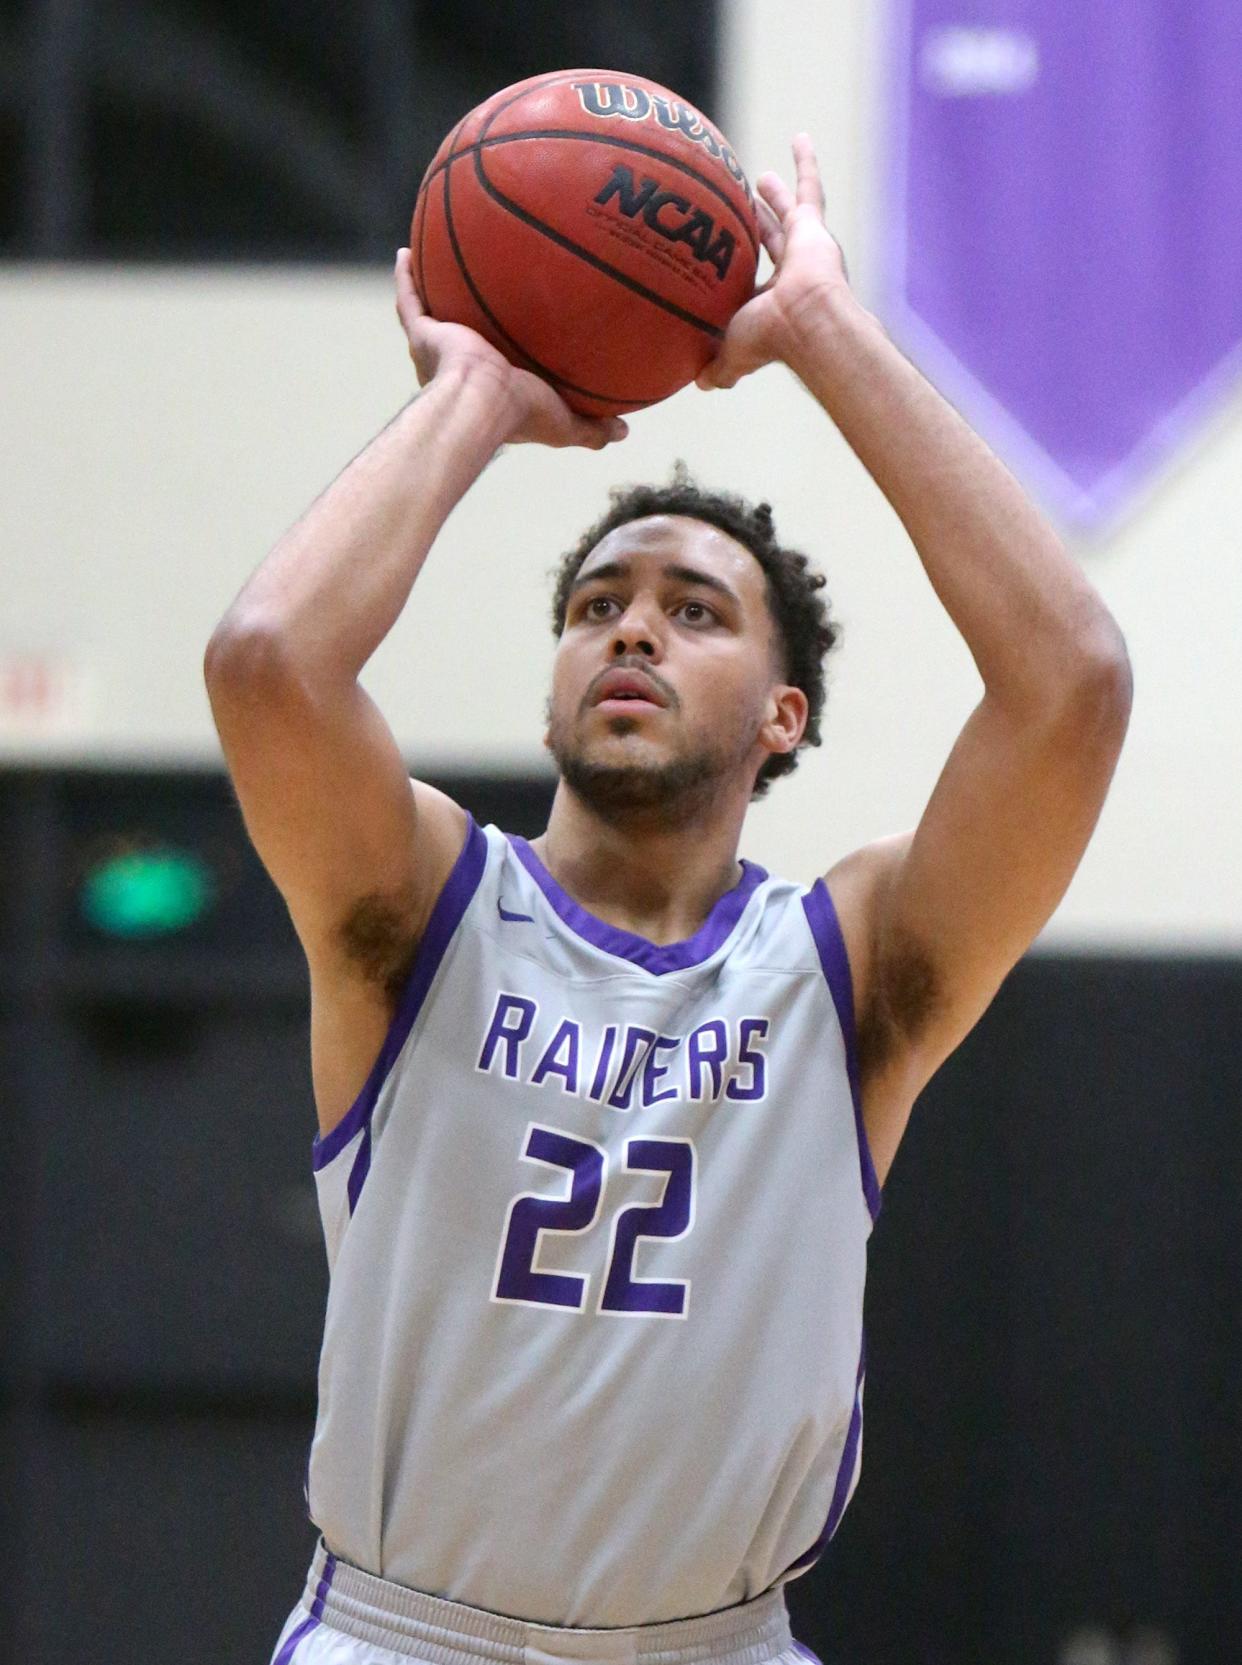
639 630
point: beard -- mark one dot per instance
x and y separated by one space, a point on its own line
677 791
673 791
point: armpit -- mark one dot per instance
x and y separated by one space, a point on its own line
904 998
378 938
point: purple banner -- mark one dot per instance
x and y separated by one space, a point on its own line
1065 257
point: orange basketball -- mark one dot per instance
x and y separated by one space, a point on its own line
593 227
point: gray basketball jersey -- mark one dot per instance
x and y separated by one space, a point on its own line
597 1231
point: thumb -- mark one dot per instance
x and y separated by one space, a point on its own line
597 431
719 373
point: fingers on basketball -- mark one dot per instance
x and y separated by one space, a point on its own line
770 232
409 306
778 197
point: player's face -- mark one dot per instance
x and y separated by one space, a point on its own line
666 682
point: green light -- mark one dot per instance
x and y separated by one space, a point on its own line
147 893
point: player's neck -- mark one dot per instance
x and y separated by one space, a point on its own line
657 881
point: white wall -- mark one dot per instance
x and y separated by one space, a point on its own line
160 430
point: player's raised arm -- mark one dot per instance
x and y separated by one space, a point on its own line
934 920
357 851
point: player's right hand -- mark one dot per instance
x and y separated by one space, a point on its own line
539 415
808 269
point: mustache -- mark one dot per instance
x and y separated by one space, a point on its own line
640 668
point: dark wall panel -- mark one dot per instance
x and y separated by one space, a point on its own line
230 129
182 1247
1055 1351
159 1538
9 857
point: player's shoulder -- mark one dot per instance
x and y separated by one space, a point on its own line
442 820
864 870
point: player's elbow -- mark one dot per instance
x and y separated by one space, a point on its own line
1099 691
247 662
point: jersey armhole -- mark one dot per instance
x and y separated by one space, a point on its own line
446 916
821 916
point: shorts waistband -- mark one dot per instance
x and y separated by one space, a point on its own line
449 1633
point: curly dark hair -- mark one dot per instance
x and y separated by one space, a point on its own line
804 624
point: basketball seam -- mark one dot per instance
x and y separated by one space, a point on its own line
549 75
477 145
540 369
567 243
425 194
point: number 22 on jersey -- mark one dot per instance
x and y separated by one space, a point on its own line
531 1214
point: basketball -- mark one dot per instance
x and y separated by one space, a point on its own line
595 228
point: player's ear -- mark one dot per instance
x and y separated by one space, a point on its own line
785 719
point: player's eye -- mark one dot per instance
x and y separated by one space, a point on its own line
696 612
598 607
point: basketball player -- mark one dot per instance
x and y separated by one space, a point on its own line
604 1117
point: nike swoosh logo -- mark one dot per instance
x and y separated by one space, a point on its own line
514 918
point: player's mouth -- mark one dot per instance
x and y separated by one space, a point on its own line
628 692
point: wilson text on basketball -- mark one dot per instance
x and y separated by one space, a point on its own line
620 99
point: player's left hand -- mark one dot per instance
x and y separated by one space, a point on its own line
537 414
809 267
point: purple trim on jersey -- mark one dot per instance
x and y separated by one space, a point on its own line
845 1474
653 957
803 1652
821 916
360 1169
452 903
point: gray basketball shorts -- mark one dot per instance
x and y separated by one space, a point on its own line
348 1617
